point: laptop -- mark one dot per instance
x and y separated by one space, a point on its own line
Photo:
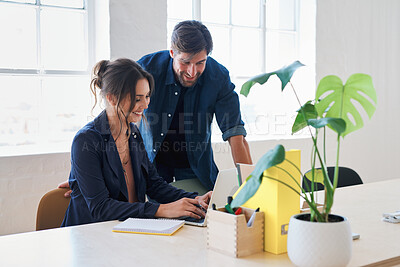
225 185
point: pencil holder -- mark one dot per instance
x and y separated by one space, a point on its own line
229 234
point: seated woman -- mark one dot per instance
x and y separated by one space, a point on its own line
110 170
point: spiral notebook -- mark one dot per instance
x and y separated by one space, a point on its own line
149 226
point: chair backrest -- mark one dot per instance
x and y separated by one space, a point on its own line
51 209
347 177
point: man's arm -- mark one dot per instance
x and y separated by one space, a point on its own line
240 149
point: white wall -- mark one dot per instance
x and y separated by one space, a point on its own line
352 36
23 181
137 27
363 36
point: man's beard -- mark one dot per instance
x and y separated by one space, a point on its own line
185 83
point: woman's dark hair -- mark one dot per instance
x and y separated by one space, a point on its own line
119 78
191 36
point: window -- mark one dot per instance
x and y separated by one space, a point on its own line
44 74
255 36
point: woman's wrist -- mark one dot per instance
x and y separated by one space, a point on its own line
160 211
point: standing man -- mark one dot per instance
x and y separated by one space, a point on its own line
190 88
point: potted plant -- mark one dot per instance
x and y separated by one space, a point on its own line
318 238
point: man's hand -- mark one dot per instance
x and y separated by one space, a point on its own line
182 207
65 185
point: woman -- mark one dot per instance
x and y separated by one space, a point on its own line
110 170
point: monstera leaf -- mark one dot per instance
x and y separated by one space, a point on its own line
309 112
336 124
318 176
284 74
337 99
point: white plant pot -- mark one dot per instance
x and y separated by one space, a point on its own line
319 244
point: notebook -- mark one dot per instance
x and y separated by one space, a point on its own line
149 226
225 185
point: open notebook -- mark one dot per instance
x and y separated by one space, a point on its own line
149 226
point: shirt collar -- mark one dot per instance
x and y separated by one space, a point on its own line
101 124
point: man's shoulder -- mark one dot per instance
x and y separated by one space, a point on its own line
215 72
216 69
154 59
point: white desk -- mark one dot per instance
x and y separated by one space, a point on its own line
97 245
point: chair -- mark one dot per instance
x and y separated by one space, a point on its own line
190 185
51 209
347 177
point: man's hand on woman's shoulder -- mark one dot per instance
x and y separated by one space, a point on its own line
65 185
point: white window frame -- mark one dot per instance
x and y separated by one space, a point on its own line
263 30
87 11
40 72
196 15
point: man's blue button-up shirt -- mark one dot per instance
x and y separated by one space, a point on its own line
212 95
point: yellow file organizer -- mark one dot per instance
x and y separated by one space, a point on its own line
278 202
228 233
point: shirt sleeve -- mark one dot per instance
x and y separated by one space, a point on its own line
237 130
162 191
227 111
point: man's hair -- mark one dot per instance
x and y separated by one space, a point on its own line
191 36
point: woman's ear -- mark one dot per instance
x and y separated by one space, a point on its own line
111 99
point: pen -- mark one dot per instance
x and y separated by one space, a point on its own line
251 220
229 209
238 211
228 206
230 198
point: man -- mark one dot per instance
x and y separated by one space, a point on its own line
191 88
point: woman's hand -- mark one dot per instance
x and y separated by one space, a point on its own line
182 207
204 200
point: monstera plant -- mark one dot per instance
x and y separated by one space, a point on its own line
310 243
332 107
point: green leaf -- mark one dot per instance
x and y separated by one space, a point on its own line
248 190
337 100
284 74
309 112
271 158
318 176
336 124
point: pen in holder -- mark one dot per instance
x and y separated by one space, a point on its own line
229 234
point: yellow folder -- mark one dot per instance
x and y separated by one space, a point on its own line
278 202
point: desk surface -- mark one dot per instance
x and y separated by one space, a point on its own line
97 245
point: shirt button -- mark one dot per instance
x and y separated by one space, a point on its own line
162 134
154 150
176 93
134 136
169 115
